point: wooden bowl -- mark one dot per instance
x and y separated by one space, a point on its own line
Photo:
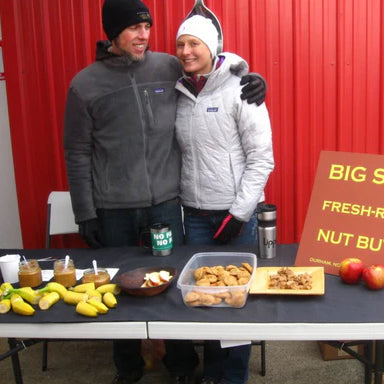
131 281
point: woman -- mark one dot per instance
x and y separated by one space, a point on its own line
227 157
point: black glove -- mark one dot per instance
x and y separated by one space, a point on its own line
255 90
89 231
229 228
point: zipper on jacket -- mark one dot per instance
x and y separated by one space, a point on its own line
194 157
149 109
144 133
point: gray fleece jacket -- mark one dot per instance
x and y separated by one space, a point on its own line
120 148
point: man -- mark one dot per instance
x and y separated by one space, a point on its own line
123 163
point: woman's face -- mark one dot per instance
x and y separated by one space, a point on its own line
194 55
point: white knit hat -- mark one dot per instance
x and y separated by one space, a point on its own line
203 29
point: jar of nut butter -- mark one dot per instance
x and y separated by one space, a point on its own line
102 277
65 273
30 274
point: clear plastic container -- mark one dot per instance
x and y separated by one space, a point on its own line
215 296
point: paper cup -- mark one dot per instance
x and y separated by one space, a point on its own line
9 265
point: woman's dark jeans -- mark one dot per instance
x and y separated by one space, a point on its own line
230 365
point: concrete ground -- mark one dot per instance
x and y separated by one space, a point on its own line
90 362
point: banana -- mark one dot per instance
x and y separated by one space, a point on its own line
109 300
5 305
74 298
56 287
83 287
114 288
5 288
27 293
100 307
48 300
15 297
20 307
93 294
86 309
23 308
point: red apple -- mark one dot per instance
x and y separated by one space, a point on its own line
350 270
374 276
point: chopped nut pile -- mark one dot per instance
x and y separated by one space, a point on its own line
287 279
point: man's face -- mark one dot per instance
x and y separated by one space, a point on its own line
132 41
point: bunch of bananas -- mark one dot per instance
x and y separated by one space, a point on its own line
89 301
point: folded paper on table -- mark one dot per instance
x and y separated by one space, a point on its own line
233 343
48 273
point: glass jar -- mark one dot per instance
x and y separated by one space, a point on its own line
30 274
102 277
65 275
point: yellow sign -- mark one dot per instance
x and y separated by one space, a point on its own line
345 217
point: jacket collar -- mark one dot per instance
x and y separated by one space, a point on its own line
195 83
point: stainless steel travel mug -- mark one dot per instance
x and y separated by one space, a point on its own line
266 230
161 239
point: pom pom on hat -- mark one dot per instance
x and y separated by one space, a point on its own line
203 29
120 14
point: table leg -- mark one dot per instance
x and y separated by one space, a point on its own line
15 361
379 363
368 353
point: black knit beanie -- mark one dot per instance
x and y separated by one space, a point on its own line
120 14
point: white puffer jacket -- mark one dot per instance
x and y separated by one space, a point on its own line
226 144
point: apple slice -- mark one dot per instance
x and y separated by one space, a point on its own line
164 276
146 277
154 278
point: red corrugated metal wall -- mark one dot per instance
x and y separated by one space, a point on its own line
323 61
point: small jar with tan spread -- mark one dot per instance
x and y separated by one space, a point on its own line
102 277
64 274
30 274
